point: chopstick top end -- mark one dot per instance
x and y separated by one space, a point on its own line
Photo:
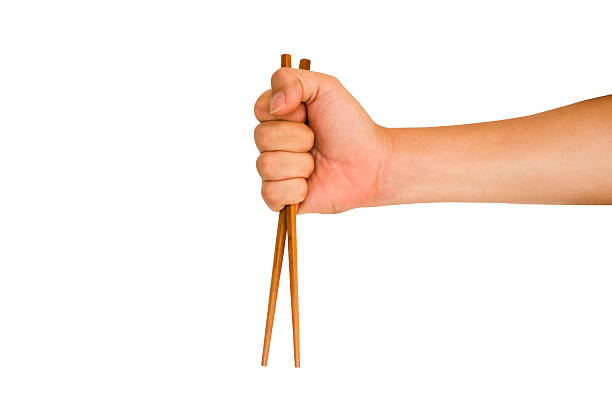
285 61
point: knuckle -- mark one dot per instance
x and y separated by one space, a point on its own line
260 164
266 191
260 135
270 194
256 109
261 106
264 164
281 74
333 81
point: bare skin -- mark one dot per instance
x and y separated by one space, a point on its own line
343 160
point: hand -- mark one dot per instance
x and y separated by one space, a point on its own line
330 165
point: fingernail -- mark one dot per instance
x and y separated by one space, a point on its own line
277 102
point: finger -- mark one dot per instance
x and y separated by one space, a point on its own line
280 165
262 110
278 194
283 136
292 87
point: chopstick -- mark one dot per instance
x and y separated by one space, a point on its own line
281 233
286 226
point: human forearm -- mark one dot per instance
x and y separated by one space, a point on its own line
562 156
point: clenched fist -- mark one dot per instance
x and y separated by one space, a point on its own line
318 147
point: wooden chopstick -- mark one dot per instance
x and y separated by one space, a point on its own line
286 226
293 278
279 249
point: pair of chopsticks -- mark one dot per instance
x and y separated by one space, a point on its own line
286 227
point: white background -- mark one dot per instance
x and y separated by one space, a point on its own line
135 250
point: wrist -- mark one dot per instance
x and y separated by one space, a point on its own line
416 167
396 168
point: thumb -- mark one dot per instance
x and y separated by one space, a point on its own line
290 87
